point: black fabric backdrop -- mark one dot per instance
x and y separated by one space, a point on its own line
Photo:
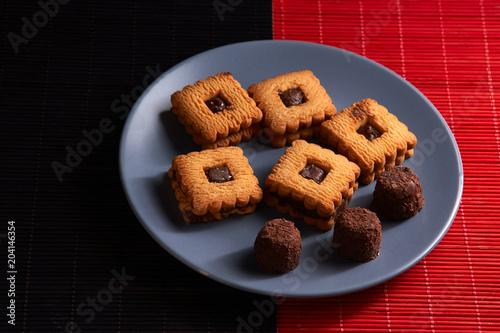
83 262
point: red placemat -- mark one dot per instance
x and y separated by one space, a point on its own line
450 51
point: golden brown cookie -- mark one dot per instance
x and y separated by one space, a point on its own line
368 135
292 102
233 139
311 183
214 183
215 107
287 138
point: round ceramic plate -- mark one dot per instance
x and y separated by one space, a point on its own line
223 250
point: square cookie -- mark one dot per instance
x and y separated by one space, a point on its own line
213 184
214 108
290 103
311 183
368 135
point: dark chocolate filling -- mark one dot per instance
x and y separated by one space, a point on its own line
299 207
313 172
217 104
193 218
219 174
369 132
292 97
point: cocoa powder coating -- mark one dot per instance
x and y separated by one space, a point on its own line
398 194
278 246
357 234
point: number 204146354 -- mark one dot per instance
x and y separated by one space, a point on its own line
11 271
11 245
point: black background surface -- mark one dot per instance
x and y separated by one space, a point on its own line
62 75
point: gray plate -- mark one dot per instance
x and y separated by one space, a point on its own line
223 250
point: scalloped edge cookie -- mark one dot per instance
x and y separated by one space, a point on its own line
280 119
303 198
394 145
202 200
192 112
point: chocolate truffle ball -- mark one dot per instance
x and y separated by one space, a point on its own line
357 234
278 246
398 194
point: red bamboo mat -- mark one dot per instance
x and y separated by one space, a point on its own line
450 51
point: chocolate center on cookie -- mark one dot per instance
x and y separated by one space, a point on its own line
217 104
313 172
370 132
218 174
292 97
